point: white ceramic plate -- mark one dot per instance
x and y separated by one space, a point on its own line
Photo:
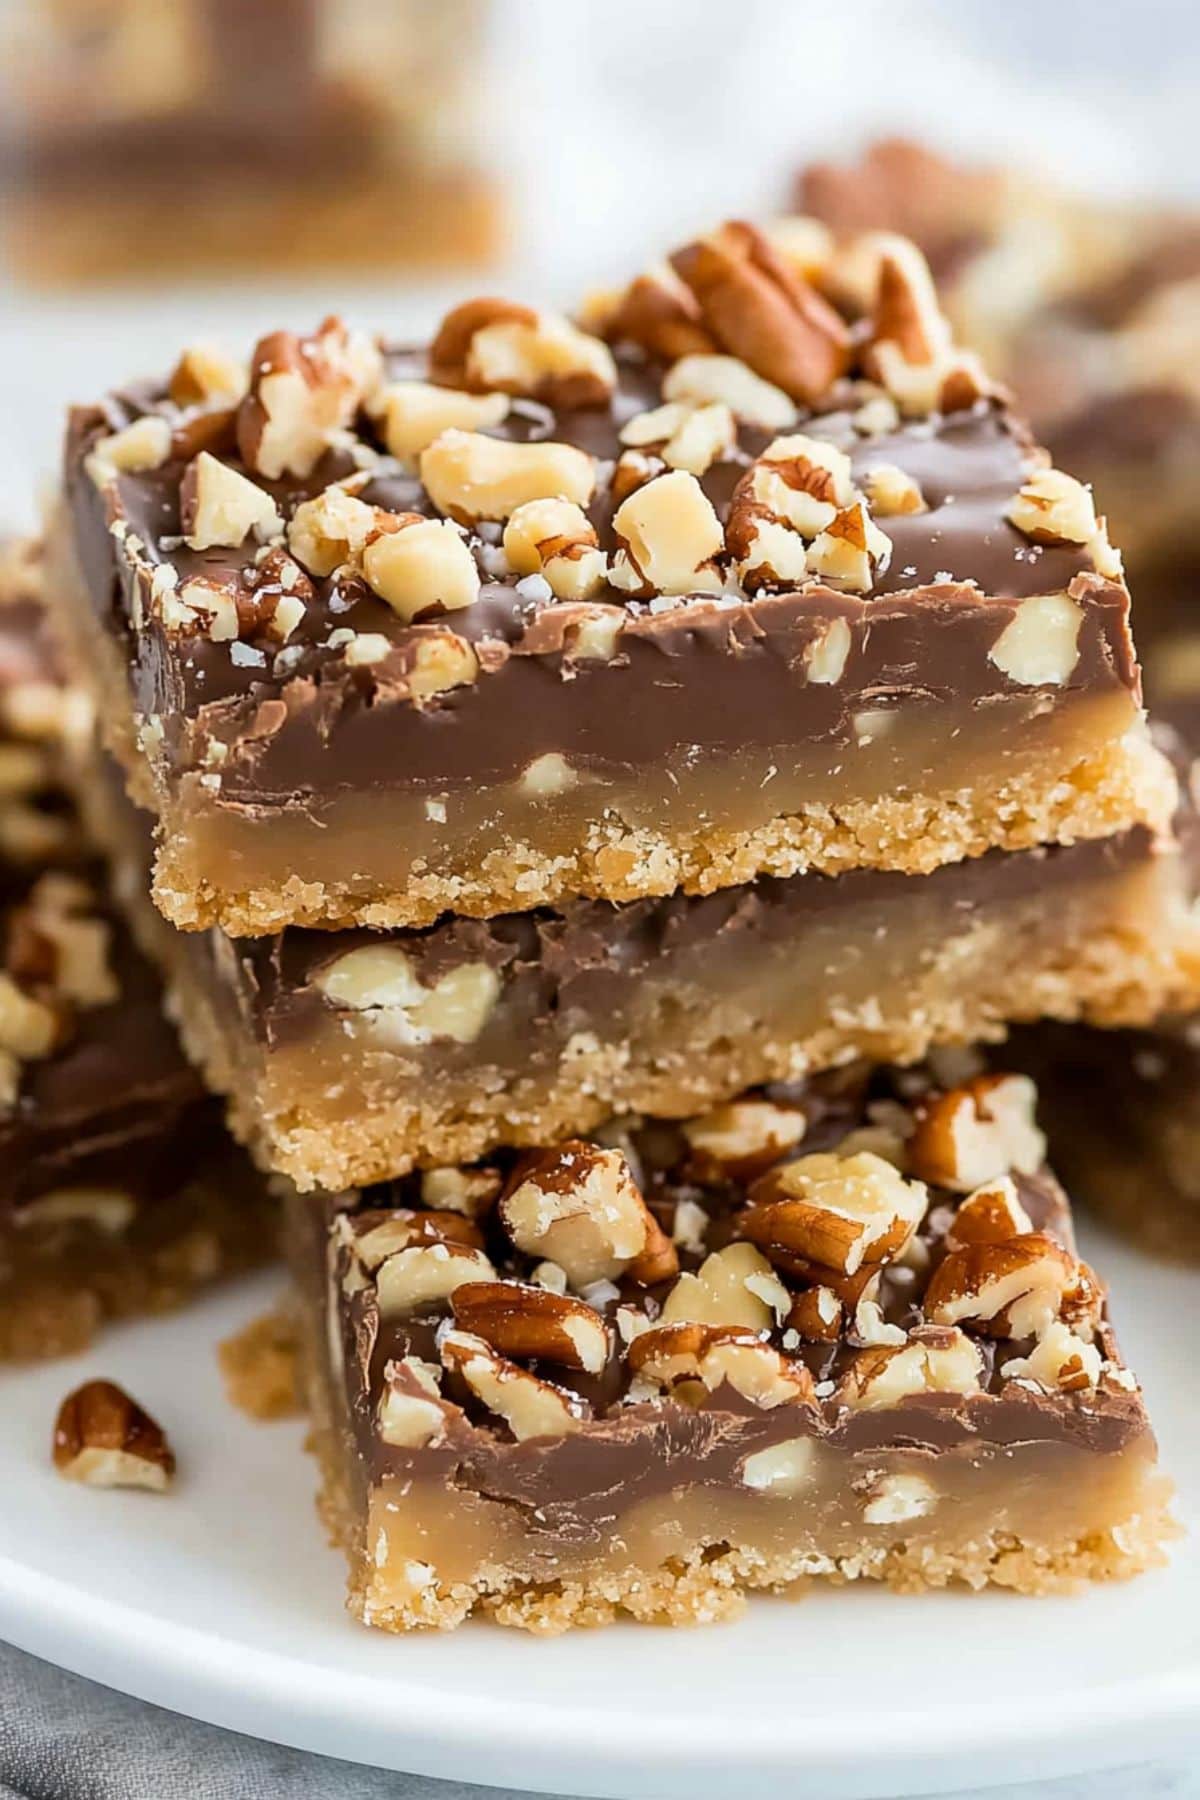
222 1601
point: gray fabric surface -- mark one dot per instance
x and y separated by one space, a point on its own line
66 1739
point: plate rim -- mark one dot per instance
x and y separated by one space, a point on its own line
201 1674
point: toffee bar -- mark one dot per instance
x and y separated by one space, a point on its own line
349 1058
733 583
837 1330
120 1192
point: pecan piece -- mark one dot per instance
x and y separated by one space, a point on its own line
1011 1289
762 310
838 1212
971 1135
530 1407
103 1438
528 1322
578 1206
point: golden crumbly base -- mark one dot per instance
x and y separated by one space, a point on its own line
711 1583
258 1367
60 1285
1123 784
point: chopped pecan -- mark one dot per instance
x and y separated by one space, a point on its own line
705 380
426 1275
989 1215
217 506
941 1362
734 1286
530 1407
205 376
304 393
659 313
579 1206
851 551
684 436
1060 1361
719 1355
760 309
472 477
1052 507
144 444
972 1134
1015 1288
741 1139
668 538
529 1322
411 1412
103 1438
493 346
557 540
838 1212
416 564
380 1234
414 413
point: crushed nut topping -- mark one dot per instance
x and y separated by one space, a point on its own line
557 540
303 395
759 308
492 345
220 507
976 1133
471 477
724 1256
1053 508
622 459
668 538
416 564
413 414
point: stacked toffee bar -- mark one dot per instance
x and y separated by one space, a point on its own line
562 744
120 1192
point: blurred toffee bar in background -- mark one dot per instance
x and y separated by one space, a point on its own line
833 1330
154 141
120 1191
350 1057
774 587
1122 1110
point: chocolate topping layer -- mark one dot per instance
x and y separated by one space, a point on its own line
718 673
